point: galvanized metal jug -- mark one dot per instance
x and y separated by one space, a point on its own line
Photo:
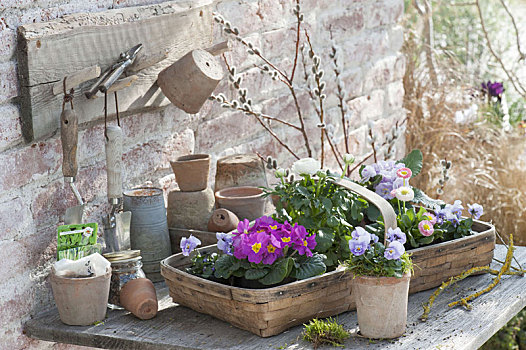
149 228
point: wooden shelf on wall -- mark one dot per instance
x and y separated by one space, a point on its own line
48 52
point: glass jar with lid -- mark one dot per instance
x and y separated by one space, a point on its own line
126 265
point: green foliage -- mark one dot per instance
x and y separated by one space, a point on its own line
74 246
374 263
327 331
414 161
324 209
305 267
203 264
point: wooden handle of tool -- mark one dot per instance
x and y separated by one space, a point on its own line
69 133
114 161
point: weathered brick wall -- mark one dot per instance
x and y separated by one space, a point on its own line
33 197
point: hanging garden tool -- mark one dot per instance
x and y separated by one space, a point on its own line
69 137
114 72
117 223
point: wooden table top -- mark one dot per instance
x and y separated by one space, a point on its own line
176 327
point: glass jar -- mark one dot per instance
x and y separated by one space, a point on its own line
125 266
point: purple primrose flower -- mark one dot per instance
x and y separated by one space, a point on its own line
493 89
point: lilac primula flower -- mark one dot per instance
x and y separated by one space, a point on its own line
475 210
394 250
224 242
189 244
243 226
396 235
257 246
358 246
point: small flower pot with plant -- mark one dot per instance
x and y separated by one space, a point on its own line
381 286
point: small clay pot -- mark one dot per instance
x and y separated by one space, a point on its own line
138 296
81 301
191 172
381 305
222 220
246 202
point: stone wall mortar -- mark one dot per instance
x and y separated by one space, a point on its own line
33 197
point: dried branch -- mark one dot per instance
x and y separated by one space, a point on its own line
299 18
341 95
516 84
506 8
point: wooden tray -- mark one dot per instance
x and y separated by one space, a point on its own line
270 311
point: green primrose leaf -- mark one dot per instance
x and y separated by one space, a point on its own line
255 274
278 272
225 266
309 267
414 161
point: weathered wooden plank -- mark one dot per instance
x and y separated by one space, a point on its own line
176 327
47 52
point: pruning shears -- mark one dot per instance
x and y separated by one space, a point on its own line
113 73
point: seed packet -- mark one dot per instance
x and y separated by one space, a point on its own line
77 241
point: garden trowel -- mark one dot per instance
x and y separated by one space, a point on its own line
117 223
69 137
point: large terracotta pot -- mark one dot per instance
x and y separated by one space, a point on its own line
381 305
81 301
191 172
246 202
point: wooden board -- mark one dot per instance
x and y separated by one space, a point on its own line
177 327
48 52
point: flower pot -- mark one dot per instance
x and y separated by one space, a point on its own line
81 301
191 172
246 202
240 170
138 296
222 220
381 305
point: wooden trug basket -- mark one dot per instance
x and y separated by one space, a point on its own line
270 311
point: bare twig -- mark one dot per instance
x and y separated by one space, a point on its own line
516 83
506 8
299 18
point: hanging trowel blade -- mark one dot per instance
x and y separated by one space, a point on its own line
74 215
122 229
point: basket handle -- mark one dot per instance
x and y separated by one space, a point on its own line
385 208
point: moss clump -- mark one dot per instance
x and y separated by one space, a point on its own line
327 331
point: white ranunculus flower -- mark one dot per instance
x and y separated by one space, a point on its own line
348 158
405 194
307 166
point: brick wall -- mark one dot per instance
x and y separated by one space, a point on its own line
33 197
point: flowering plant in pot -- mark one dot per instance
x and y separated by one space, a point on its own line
327 211
259 255
381 286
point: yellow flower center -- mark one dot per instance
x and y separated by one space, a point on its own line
285 239
256 247
187 246
273 227
259 231
271 248
427 227
404 192
246 231
305 243
358 248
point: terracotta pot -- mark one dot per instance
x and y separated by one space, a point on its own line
381 305
246 202
222 220
191 172
138 296
81 301
240 170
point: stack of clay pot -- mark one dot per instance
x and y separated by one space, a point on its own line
237 185
191 206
